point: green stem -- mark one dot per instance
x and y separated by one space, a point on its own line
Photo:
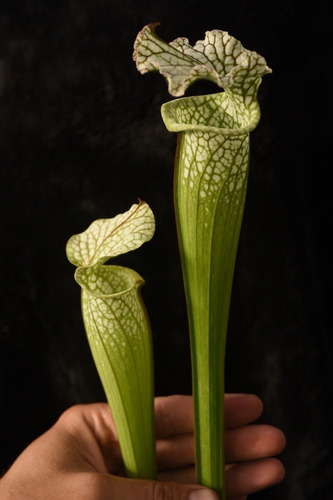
119 336
209 223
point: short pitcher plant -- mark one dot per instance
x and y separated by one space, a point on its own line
118 329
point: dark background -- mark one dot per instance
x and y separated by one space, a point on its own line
81 138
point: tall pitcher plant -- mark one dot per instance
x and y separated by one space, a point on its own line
211 171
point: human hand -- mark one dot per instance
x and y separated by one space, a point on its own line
79 457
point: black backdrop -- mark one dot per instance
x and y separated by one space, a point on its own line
81 138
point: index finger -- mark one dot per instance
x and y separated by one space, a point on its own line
174 414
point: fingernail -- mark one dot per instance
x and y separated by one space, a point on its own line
202 495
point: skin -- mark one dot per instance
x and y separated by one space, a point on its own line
79 457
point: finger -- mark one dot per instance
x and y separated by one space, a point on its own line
241 409
106 487
252 442
176 451
245 443
174 414
250 477
180 475
92 427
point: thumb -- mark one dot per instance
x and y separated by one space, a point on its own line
118 488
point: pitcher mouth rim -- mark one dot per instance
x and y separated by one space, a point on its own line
134 283
173 125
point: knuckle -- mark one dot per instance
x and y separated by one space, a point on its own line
70 414
163 491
